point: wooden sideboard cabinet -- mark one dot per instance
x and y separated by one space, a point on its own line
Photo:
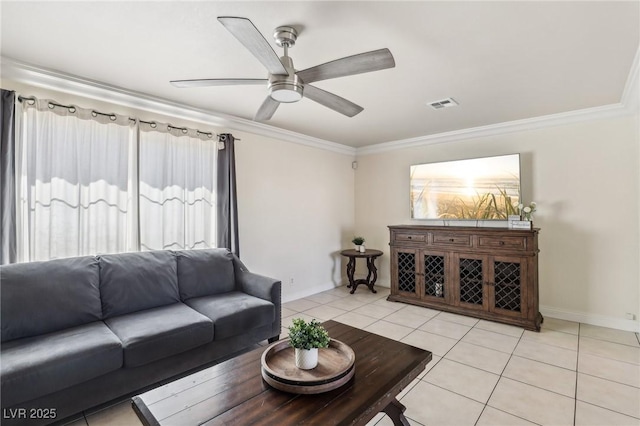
488 273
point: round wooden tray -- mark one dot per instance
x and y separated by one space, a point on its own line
335 368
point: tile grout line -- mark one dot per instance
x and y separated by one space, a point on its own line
610 410
500 377
443 357
575 393
610 341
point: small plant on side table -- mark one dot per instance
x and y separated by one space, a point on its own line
358 242
306 338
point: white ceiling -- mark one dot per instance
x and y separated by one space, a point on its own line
501 61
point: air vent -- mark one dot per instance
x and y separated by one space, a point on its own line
444 103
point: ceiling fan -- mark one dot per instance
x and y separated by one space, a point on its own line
285 84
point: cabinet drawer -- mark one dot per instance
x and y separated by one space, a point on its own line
419 238
445 239
510 243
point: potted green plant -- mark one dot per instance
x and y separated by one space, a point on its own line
358 242
306 338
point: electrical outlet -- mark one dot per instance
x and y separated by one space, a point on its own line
290 280
630 316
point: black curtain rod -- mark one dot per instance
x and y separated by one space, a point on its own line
32 100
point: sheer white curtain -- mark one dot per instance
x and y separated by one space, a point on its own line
74 169
177 188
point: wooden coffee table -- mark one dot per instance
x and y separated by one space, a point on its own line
234 392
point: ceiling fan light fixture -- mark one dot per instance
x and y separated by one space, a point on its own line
286 88
286 92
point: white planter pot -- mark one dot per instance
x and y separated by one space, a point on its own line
362 249
306 359
357 248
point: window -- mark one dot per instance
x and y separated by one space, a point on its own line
92 183
177 187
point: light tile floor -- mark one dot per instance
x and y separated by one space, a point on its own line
482 373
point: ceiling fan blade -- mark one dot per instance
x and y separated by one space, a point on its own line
356 64
247 34
206 82
332 101
266 110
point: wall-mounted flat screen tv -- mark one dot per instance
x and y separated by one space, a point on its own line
476 189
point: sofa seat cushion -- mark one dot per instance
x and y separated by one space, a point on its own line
234 313
157 333
36 366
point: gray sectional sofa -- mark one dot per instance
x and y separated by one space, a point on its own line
82 331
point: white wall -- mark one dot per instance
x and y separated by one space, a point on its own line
296 212
295 204
585 180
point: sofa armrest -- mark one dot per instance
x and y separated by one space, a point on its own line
264 288
256 285
259 286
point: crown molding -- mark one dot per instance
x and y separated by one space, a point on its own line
78 86
631 93
606 111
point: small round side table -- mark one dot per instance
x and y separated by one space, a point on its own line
372 276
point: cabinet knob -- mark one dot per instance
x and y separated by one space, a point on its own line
501 243
409 238
451 240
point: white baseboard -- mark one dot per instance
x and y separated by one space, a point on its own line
290 293
593 319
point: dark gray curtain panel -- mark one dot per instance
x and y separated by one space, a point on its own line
227 202
8 253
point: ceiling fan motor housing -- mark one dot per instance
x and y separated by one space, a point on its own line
285 36
286 88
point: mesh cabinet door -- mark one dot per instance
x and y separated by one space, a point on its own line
407 272
471 272
507 283
435 276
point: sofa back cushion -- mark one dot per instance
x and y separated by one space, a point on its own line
132 282
205 272
42 297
